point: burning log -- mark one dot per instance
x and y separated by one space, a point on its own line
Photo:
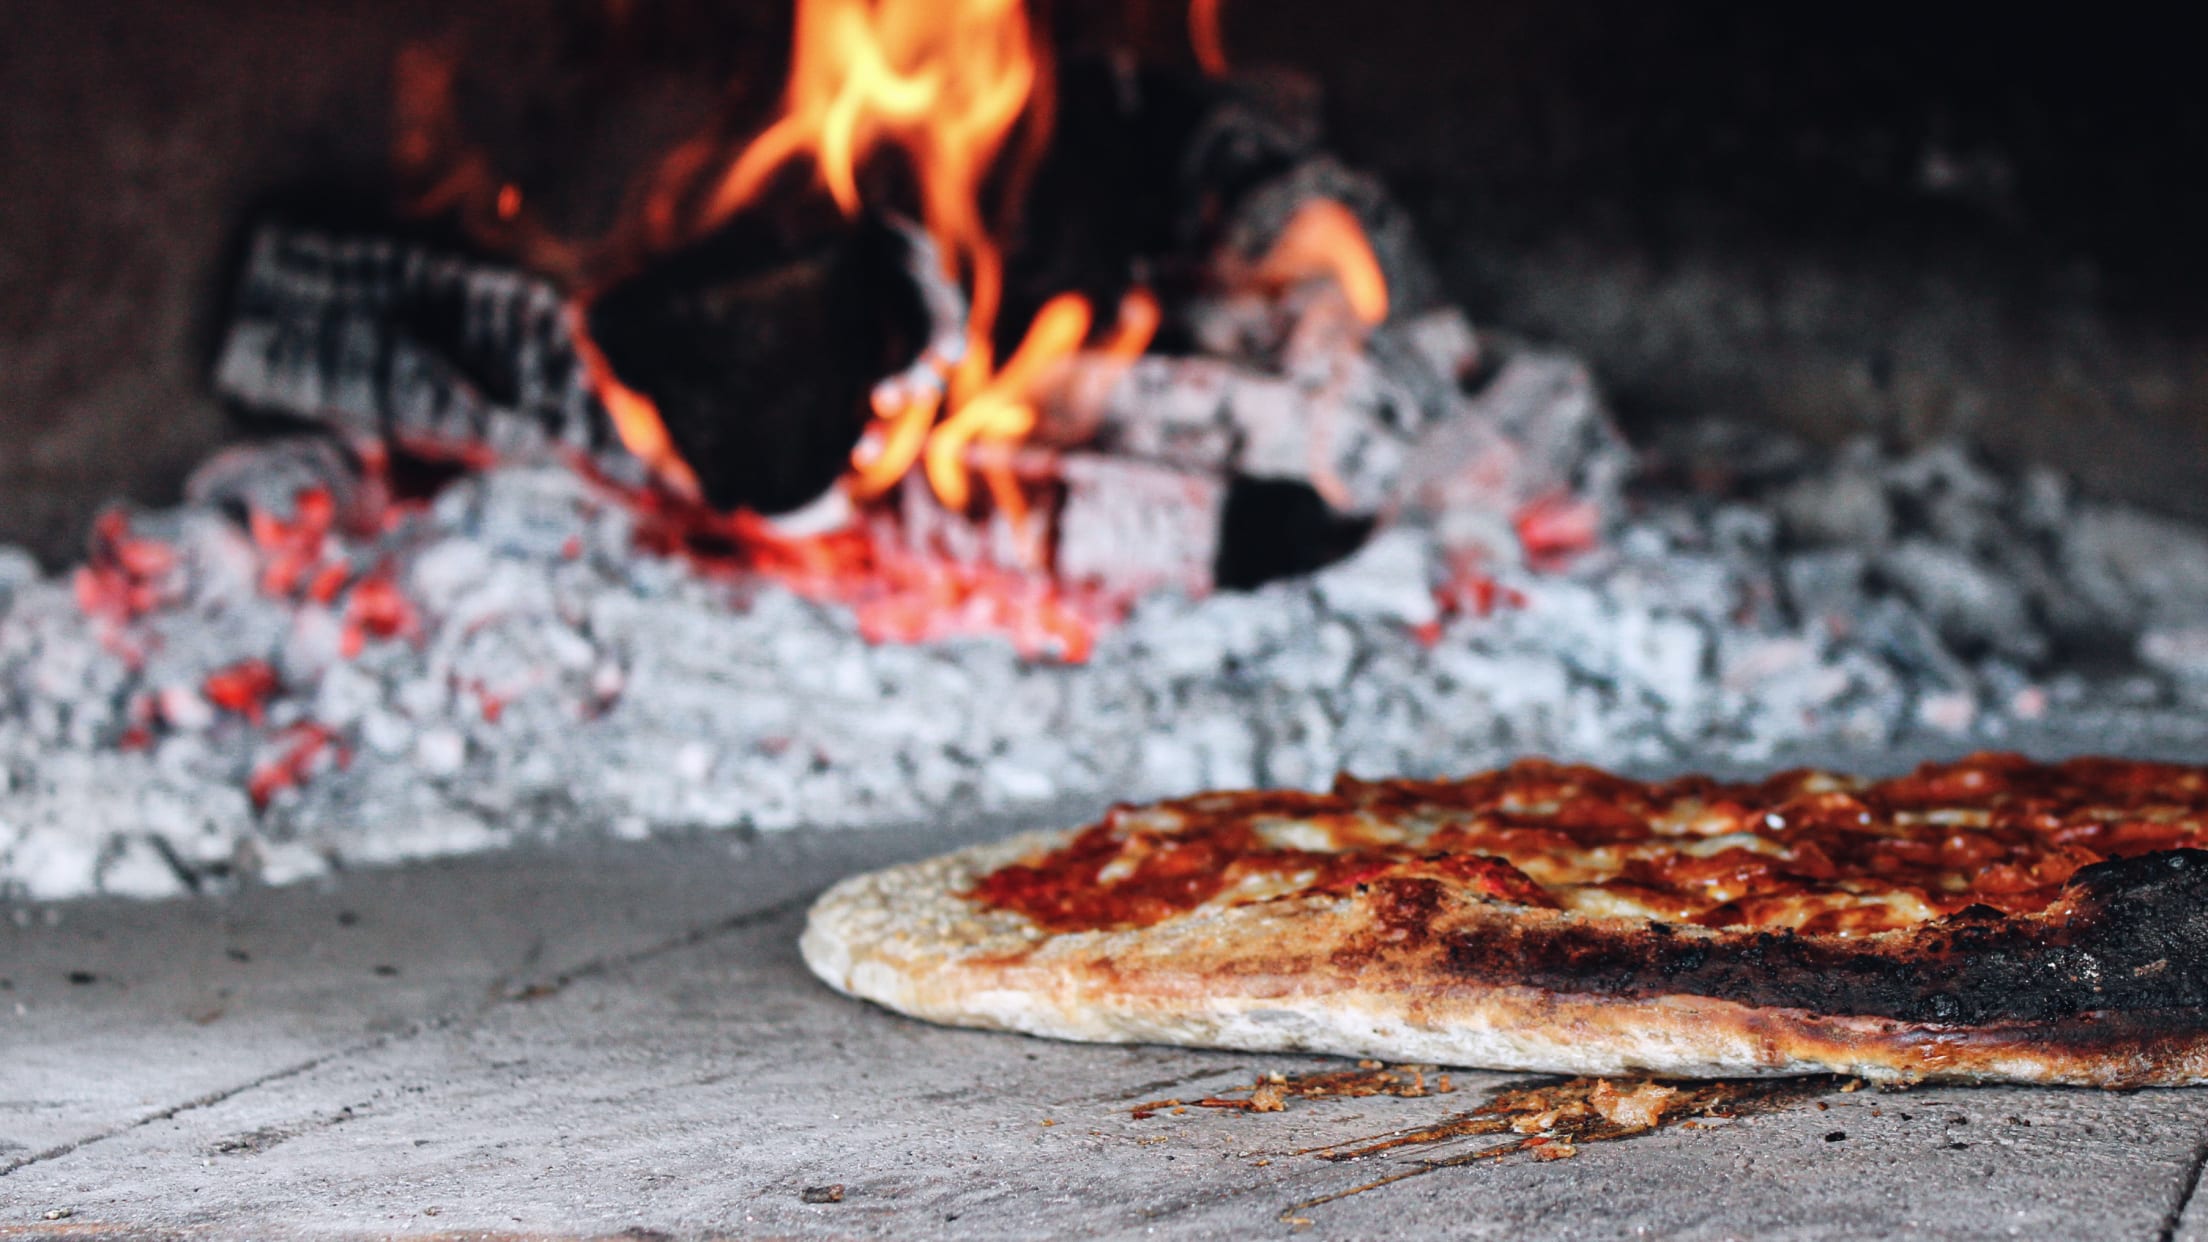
759 345
1152 174
756 346
1275 528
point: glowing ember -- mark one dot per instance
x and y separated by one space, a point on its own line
300 750
377 609
1204 36
895 593
1555 527
293 550
124 576
243 688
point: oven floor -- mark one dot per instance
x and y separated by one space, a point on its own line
592 1040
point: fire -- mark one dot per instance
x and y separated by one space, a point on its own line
635 419
945 83
1204 36
1001 413
1324 240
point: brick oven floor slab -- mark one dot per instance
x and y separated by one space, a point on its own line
590 1040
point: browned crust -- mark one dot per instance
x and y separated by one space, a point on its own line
2127 936
2105 989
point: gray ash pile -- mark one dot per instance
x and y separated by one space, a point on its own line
271 681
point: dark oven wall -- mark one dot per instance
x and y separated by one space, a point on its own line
1907 222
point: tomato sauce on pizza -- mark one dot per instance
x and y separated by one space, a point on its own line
1804 851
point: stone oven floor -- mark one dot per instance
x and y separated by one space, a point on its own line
621 1039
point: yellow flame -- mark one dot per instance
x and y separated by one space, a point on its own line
1324 239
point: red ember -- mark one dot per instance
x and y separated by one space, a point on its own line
1556 527
244 688
123 576
292 551
302 745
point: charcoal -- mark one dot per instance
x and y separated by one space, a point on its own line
1271 529
2044 501
17 570
1948 711
2013 692
1444 345
533 671
270 477
1138 525
1181 411
1343 430
1973 606
1950 488
2027 562
1744 532
388 340
1911 643
2134 569
2180 651
1846 508
1537 429
1392 577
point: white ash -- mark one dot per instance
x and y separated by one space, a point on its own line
564 682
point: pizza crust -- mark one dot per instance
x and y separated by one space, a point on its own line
1335 974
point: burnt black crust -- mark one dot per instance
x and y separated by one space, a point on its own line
2129 937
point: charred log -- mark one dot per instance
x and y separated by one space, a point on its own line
759 345
1150 171
381 338
1110 201
1276 528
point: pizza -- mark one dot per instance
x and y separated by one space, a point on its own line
1991 919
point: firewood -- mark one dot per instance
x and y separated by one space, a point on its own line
759 346
379 337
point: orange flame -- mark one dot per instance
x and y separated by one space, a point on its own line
635 418
1204 36
944 82
1324 239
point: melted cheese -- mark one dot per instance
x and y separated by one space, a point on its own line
1812 852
